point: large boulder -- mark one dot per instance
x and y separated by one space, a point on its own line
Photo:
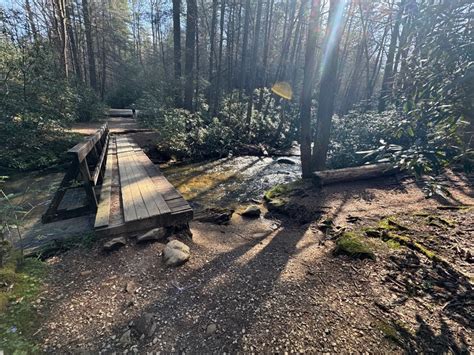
176 253
156 234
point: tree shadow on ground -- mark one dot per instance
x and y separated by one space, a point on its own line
426 340
234 288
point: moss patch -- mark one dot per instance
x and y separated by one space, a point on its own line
390 332
440 222
407 241
354 246
282 190
390 223
21 282
393 244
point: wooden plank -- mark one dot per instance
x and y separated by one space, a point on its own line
137 226
125 189
98 167
142 186
164 186
154 202
132 177
177 202
151 190
103 211
150 194
181 208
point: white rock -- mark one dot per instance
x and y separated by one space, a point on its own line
176 253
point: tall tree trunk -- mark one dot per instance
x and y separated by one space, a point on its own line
309 69
153 27
215 106
387 80
178 101
230 44
31 20
243 65
253 70
90 44
72 41
212 39
196 72
103 58
350 95
327 91
266 47
62 34
191 20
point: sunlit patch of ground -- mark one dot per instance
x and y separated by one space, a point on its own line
271 285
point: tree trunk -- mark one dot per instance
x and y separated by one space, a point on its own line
31 21
217 94
191 20
62 34
89 44
212 39
266 46
387 81
253 70
327 177
72 40
327 91
309 69
243 62
178 101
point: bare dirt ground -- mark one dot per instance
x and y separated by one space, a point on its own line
274 284
117 125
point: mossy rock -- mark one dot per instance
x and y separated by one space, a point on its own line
354 246
281 190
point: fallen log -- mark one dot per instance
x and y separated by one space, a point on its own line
327 177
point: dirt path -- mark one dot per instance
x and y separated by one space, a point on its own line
275 285
116 125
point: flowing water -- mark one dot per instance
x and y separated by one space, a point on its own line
227 182
231 181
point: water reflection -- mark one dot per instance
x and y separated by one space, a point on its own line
228 182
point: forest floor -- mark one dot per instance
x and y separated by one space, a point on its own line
275 284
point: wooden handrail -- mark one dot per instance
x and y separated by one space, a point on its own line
82 149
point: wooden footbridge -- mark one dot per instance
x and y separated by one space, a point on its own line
111 176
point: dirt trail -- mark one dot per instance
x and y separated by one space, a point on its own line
274 285
116 125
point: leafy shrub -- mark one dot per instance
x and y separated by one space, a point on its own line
29 143
197 135
358 131
88 105
36 103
